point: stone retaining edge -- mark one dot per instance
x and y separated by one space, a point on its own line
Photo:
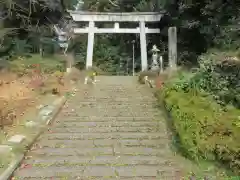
11 168
6 175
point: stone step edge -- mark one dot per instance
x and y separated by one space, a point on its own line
55 109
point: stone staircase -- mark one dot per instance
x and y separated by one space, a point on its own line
108 131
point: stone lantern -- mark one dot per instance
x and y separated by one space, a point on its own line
155 53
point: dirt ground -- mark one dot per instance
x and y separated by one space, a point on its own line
18 95
15 98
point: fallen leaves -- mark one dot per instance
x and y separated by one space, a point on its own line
25 166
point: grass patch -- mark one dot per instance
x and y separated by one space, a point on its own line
48 65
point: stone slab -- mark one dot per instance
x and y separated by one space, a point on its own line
17 138
46 111
44 117
31 124
5 149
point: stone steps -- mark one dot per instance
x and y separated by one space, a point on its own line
106 124
99 171
90 178
98 160
105 130
93 136
92 124
98 119
103 143
108 131
93 152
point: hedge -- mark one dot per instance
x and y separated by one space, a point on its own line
219 74
205 129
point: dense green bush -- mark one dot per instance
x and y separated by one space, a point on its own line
205 128
219 74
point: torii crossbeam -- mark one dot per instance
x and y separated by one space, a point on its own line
116 18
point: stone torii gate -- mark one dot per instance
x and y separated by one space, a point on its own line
91 17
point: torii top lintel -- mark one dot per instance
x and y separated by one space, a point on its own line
86 16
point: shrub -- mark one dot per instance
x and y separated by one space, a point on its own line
24 65
205 128
219 74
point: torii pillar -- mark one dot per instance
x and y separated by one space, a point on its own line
143 42
90 44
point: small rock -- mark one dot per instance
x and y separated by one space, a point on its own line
51 107
45 112
31 124
27 157
5 149
17 138
44 117
40 106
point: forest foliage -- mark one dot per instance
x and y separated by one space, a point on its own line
26 27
